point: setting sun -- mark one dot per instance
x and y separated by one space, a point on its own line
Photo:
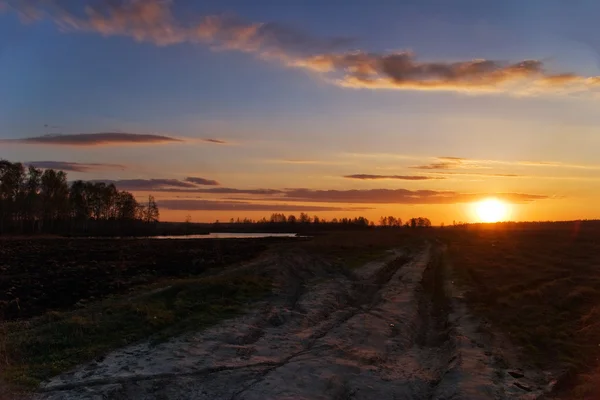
491 210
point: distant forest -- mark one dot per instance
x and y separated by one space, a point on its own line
305 219
35 201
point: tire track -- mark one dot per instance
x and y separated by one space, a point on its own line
389 330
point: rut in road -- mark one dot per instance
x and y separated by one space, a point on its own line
379 332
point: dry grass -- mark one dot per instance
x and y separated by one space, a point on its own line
540 285
36 349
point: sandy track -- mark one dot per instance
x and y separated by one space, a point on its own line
377 333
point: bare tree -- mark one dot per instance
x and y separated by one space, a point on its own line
152 213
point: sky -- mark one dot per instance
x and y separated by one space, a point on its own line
226 109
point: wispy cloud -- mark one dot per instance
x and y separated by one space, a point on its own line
153 21
202 181
403 71
351 196
209 205
399 177
459 162
94 139
149 184
301 161
224 190
452 158
189 185
437 165
73 166
401 196
500 175
465 166
214 141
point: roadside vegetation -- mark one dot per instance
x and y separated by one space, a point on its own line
37 349
68 301
539 284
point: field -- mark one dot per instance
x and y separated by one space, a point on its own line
64 301
535 288
54 274
539 284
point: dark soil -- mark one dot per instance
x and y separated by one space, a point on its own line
37 275
539 284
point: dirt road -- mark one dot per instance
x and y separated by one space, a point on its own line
388 330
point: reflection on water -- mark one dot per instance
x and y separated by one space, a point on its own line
217 235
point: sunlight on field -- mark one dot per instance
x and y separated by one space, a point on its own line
492 210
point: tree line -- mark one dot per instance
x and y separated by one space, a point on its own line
42 201
34 201
305 219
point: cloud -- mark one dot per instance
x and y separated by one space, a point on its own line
202 181
264 192
459 162
209 205
215 141
354 196
94 139
452 158
402 70
149 184
401 196
438 165
400 177
296 161
73 166
451 163
153 21
189 185
481 174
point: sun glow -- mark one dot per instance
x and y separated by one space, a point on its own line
492 210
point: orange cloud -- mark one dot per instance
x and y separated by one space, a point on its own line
452 163
437 165
501 175
153 21
210 205
202 181
401 196
143 20
399 177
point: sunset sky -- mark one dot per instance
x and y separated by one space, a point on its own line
337 108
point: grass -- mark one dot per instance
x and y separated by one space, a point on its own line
540 285
38 349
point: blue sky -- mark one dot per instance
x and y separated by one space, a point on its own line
289 123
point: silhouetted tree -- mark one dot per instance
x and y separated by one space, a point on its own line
152 214
304 218
420 222
278 218
32 200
